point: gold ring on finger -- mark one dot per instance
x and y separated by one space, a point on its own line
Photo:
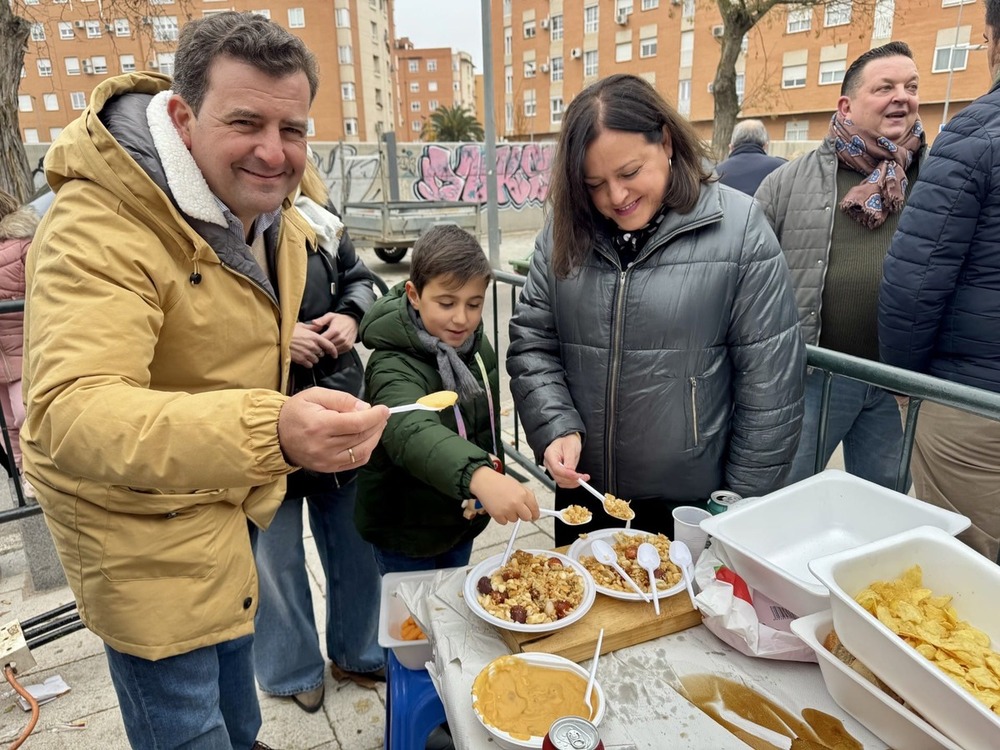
350 452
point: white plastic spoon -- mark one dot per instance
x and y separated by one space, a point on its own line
510 544
648 557
431 402
560 515
593 674
605 499
606 556
680 555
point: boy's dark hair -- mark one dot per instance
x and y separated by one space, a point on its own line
246 37
852 78
993 15
449 251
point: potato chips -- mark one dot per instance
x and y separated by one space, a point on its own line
930 625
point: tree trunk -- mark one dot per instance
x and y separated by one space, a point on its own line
15 172
727 105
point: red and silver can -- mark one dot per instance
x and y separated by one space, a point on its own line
572 733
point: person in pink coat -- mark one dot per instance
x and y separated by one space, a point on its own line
17 227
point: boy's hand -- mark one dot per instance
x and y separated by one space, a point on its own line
503 497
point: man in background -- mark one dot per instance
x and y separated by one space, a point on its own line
748 163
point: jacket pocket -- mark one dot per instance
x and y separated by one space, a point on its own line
695 432
176 541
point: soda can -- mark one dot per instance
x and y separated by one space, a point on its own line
572 733
722 500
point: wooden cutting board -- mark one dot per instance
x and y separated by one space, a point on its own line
625 624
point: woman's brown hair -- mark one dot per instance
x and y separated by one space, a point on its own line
619 102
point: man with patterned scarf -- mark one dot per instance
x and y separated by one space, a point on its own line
834 211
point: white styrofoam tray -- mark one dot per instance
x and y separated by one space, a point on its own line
950 568
895 724
772 539
392 613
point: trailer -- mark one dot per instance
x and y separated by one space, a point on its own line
391 227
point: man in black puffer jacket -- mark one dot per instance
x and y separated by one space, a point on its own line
939 306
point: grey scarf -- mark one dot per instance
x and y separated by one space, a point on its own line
454 374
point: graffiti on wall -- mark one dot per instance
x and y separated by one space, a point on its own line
350 174
458 173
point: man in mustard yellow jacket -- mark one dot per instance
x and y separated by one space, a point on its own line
163 288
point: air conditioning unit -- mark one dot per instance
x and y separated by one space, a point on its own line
153 64
544 23
88 67
544 67
621 18
718 30
80 24
109 27
576 53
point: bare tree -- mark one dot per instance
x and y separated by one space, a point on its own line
15 172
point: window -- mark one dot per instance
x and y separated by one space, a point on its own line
741 84
77 100
351 126
506 8
832 71
684 96
650 4
529 103
164 28
508 40
432 65
54 133
799 19
378 98
432 85
30 135
838 13
24 103
950 58
342 18
508 117
793 76
65 30
415 126
556 68
946 3
374 32
414 106
51 102
797 130
310 127
556 109
687 49
38 32
590 19
413 65
44 67
647 47
529 29
93 29
122 27
508 79
414 86
347 92
263 13
165 62
297 17
127 63
623 6
100 64
556 27
687 11
72 66
345 55
623 52
161 2
377 64
590 63
433 105
884 12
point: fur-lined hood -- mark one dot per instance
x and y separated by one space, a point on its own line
19 224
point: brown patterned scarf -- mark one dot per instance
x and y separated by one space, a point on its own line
884 162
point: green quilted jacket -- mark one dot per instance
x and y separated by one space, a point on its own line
410 493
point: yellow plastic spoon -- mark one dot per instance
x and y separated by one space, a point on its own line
431 402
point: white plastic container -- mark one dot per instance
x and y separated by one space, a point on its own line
949 569
771 540
893 723
392 613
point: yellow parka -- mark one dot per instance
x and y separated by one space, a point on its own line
152 400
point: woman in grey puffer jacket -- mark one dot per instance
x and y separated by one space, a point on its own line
655 348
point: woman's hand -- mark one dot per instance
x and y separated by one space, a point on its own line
561 458
308 345
342 331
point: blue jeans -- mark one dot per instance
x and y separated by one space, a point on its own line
865 418
202 700
396 562
286 650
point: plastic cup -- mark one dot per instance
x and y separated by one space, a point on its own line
687 528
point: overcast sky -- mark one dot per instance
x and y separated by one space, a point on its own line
442 23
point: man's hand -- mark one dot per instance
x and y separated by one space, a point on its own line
503 497
309 344
561 458
325 430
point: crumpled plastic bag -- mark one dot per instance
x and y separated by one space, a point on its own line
758 627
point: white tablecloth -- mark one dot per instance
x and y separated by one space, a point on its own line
644 711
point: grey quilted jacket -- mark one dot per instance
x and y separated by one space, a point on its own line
683 372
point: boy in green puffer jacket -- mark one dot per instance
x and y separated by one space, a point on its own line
426 335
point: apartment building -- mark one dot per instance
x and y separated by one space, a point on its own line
788 73
429 78
75 44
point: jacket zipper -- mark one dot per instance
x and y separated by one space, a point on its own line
616 347
694 408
